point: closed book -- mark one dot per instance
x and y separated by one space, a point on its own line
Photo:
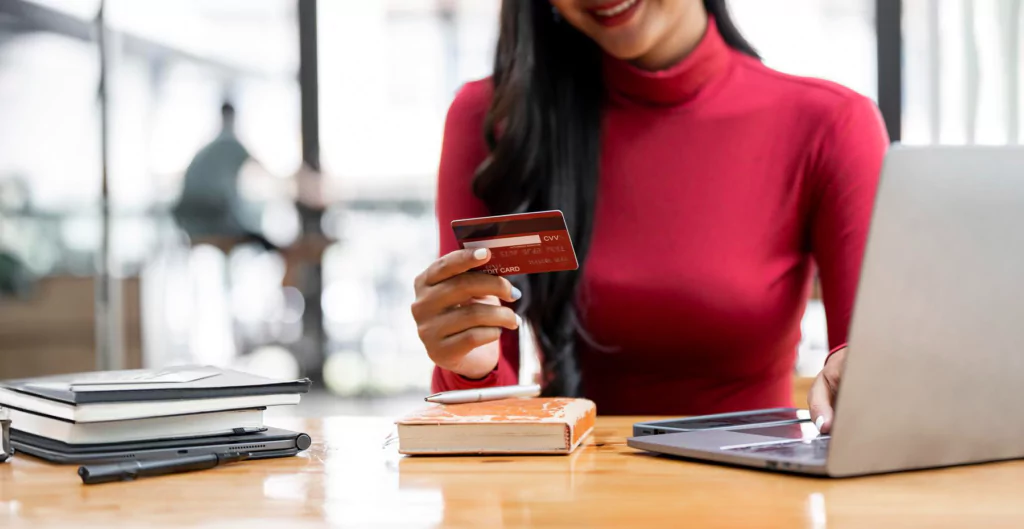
176 427
135 385
507 426
140 394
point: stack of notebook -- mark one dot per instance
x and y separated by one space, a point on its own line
144 405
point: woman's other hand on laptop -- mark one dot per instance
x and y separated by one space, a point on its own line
823 391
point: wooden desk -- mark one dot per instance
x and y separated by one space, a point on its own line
347 480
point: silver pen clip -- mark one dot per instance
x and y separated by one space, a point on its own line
391 439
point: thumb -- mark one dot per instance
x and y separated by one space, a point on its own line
819 401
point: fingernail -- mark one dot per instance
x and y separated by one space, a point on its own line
519 321
516 294
480 254
819 422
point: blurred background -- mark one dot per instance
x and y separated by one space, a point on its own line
320 123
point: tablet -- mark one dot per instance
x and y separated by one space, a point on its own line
273 442
724 421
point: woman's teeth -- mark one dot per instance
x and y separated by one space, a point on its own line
615 10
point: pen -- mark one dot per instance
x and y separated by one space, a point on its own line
463 396
130 470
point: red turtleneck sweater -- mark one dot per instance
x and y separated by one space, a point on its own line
722 184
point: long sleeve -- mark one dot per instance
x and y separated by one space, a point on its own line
463 150
846 172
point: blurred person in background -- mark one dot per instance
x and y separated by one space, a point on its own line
16 280
702 190
212 204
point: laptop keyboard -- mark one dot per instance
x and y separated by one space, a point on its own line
800 449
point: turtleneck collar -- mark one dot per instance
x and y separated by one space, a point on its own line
676 84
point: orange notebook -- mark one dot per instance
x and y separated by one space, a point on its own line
507 426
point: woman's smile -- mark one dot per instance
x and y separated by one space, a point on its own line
615 13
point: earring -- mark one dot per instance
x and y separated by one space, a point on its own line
555 15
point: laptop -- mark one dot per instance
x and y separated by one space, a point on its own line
934 373
266 444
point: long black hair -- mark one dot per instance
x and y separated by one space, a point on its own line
544 133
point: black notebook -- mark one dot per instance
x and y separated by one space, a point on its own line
173 383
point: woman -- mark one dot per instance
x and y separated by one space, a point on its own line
700 188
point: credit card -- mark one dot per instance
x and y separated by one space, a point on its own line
524 243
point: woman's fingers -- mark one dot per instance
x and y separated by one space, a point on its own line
471 316
451 265
479 361
457 333
822 397
470 289
819 401
466 288
448 283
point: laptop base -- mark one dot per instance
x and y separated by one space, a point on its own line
770 448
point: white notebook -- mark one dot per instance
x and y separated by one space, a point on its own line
196 425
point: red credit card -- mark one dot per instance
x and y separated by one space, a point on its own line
525 243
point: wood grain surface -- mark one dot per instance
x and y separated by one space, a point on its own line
349 479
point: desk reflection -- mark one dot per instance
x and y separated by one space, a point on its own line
498 491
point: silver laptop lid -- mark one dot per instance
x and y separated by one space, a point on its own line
935 370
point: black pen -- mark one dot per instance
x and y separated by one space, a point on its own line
129 470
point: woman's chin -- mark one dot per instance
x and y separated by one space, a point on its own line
626 51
